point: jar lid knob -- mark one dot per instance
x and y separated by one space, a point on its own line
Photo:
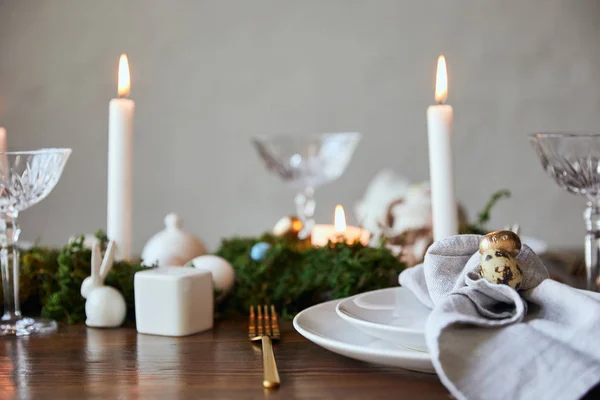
172 221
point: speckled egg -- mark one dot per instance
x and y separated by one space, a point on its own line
497 266
501 240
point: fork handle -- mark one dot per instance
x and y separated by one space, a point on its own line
271 376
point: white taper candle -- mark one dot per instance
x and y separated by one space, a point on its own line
3 146
439 128
120 160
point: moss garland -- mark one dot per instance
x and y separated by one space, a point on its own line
294 279
291 276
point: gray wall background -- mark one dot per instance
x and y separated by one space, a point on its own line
207 75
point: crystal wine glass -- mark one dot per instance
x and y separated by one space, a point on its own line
573 160
305 162
26 177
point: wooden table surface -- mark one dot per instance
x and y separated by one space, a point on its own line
79 362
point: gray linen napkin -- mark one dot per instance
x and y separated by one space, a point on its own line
489 341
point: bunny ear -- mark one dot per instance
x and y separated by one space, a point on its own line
107 262
95 263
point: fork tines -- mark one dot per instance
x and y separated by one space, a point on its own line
274 323
252 324
263 323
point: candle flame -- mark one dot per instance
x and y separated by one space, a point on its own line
441 81
296 225
339 219
124 85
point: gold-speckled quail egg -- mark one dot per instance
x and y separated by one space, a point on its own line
498 266
501 240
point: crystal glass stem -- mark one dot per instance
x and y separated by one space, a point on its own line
9 264
592 245
305 207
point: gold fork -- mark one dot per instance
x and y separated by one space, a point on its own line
264 326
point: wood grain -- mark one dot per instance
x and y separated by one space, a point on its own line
80 363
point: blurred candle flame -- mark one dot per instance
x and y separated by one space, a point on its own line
441 81
339 219
124 85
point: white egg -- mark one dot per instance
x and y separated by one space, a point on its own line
105 308
222 272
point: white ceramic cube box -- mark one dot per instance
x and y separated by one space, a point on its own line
173 301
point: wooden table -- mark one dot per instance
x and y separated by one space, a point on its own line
79 362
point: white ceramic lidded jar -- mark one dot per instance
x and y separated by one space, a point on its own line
172 246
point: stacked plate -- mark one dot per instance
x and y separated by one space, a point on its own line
385 327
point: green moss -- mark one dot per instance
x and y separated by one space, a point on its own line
64 301
292 275
294 279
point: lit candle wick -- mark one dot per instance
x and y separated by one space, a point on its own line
339 224
124 82
441 81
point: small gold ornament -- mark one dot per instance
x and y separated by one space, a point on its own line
501 240
498 258
288 227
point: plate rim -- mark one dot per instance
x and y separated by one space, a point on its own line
368 324
392 353
539 241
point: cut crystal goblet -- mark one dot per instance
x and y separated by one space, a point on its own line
573 160
26 178
305 162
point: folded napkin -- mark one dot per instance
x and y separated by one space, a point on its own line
489 341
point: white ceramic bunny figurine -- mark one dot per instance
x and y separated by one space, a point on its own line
105 306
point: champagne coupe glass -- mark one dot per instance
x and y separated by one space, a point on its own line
26 177
573 160
305 162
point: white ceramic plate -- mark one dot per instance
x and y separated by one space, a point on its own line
537 245
392 314
321 325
